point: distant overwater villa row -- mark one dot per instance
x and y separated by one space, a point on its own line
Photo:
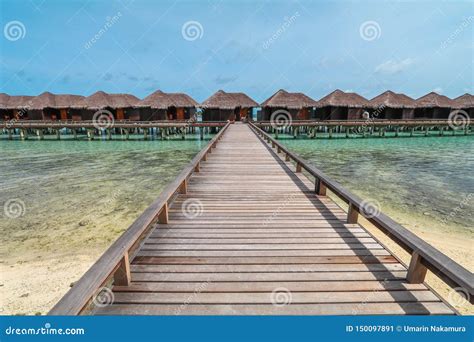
164 115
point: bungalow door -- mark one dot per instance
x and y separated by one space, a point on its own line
180 113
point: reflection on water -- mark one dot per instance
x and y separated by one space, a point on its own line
429 179
80 195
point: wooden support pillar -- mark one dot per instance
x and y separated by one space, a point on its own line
347 132
287 157
426 131
183 133
74 133
58 134
295 132
397 130
183 187
416 271
23 134
320 188
298 167
352 214
276 134
201 133
90 134
39 134
411 131
163 215
122 275
441 131
109 134
127 133
10 134
330 132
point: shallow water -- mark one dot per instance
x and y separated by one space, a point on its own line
71 196
427 180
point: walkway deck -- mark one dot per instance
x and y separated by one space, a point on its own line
251 237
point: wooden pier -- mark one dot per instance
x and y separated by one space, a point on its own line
364 128
244 231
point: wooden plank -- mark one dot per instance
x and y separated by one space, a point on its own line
418 308
200 297
265 286
186 260
269 276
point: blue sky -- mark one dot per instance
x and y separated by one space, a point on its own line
256 47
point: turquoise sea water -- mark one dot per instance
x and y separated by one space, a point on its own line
74 195
77 195
422 178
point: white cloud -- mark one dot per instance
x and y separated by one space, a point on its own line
393 67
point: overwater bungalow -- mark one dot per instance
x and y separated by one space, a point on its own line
392 106
340 105
299 105
224 106
167 106
466 103
122 106
14 107
433 106
48 106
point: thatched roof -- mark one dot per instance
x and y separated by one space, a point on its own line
101 100
60 101
390 99
284 99
161 100
4 100
224 100
433 99
339 98
17 102
464 101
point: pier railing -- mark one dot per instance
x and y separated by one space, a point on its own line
423 255
363 122
114 264
26 124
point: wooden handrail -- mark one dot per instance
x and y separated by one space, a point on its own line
115 261
363 122
424 256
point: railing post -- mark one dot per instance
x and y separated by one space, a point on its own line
196 168
163 215
122 275
298 167
320 188
183 187
416 271
352 214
